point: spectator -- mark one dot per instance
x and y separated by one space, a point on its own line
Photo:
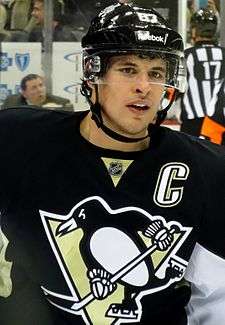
15 16
214 6
62 32
206 69
3 16
33 92
4 34
190 10
19 15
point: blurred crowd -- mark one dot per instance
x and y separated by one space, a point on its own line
22 20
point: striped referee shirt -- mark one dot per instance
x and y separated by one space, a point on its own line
205 71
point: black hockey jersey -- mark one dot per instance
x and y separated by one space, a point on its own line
75 216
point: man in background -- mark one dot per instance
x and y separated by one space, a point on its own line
33 92
62 31
206 70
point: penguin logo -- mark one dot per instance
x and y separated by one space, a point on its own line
111 258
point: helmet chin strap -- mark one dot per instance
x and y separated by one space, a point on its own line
161 114
97 117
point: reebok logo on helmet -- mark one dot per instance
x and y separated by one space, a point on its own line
147 36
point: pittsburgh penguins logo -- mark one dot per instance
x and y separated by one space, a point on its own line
111 258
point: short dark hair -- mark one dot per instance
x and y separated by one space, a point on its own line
58 9
31 76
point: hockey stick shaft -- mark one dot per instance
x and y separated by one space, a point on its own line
118 275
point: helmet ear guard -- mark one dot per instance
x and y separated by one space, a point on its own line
91 67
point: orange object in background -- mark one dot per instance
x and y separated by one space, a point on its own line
170 93
212 130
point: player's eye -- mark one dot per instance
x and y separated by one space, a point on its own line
127 70
156 75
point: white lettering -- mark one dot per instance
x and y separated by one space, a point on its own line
166 194
146 36
149 18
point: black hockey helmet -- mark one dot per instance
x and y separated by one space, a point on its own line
124 26
205 21
128 29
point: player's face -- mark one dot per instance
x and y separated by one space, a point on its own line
35 91
38 12
130 93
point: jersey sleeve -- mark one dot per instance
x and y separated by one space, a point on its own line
13 152
212 228
206 268
23 133
26 303
206 273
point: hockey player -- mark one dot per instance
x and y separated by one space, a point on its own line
200 108
107 217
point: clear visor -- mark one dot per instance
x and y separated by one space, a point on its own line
155 67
